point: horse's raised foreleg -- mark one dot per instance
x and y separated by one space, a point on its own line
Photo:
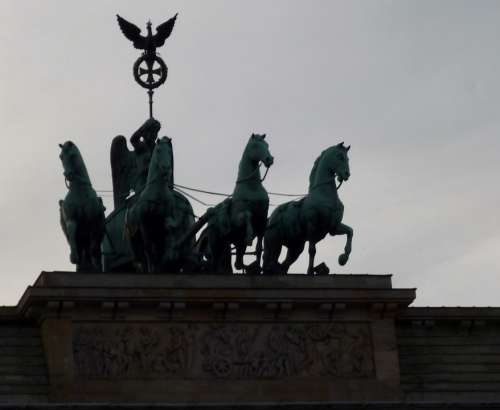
312 254
343 229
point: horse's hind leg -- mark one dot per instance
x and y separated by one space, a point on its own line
95 256
254 268
272 251
312 254
137 251
85 259
292 255
224 261
241 247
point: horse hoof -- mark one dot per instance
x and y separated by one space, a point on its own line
343 259
321 269
253 269
73 258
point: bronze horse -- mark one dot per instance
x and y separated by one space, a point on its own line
159 217
312 217
240 218
81 212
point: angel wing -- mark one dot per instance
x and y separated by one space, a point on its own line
123 170
133 33
163 31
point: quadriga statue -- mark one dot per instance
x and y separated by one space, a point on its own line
81 212
312 217
240 218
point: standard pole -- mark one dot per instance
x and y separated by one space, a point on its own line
150 93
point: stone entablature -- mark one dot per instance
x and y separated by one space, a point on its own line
213 339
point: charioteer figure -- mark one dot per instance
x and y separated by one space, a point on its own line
143 141
129 169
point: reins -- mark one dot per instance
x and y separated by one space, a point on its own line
67 182
248 177
329 182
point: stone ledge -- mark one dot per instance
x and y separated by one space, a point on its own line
450 313
64 291
207 281
260 406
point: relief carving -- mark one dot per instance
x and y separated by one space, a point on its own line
225 351
128 351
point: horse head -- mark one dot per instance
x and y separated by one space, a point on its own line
72 161
257 150
333 161
340 166
161 165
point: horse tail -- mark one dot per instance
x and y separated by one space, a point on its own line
312 175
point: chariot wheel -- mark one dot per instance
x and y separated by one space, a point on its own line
149 73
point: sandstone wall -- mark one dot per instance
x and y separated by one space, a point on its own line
450 354
23 372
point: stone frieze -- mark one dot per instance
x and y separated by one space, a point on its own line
235 351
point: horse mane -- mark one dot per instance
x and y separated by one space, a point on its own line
312 175
154 159
254 138
85 173
314 170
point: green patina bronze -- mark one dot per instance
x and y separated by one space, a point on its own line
152 227
81 212
241 218
159 218
129 169
312 218
150 71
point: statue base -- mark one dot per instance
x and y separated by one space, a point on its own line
217 338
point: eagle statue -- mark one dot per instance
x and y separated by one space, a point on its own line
150 42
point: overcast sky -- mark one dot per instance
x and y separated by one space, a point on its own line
413 86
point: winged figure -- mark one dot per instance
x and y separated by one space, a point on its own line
150 42
129 168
